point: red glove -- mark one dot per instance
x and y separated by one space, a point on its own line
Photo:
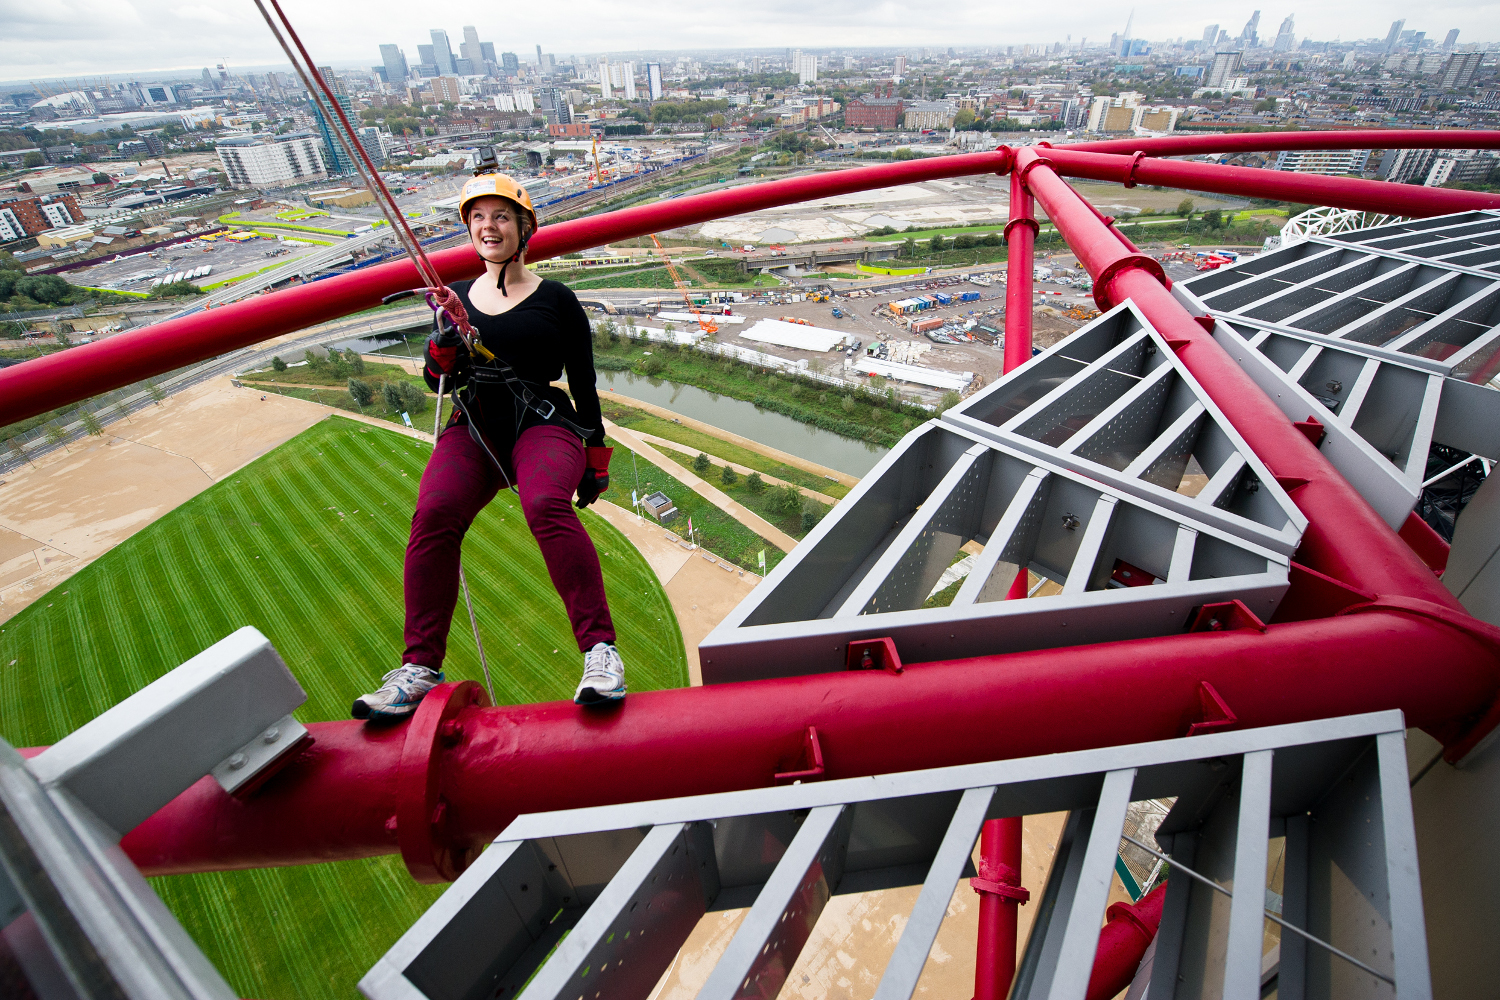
595 476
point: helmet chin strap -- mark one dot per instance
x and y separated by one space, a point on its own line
506 266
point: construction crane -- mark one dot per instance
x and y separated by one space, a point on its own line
598 174
705 324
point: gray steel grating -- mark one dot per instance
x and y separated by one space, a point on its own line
1388 336
1334 789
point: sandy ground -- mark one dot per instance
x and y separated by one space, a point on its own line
71 507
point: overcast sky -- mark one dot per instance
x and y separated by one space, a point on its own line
50 39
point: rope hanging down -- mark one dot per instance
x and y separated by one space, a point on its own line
439 296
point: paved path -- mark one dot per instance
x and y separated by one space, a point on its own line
743 470
692 481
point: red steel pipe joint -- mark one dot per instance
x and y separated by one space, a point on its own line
1000 895
1123 941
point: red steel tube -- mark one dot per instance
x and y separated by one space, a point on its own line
60 379
999 868
1020 266
1345 538
1020 262
364 790
1264 142
1251 182
1123 942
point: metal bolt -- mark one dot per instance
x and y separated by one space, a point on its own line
237 761
272 735
1334 385
1070 521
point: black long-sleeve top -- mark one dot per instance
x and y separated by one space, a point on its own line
546 334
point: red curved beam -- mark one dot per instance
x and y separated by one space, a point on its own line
438 792
66 377
1266 142
1253 182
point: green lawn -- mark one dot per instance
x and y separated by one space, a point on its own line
306 544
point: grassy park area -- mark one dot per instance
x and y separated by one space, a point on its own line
306 544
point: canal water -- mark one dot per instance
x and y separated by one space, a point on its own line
845 454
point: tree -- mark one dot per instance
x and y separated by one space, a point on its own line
936 244
1213 219
787 501
101 178
908 248
701 463
33 160
963 118
278 364
754 483
812 513
156 393
91 422
355 361
414 398
950 399
964 241
1185 207
362 393
392 393
17 450
56 435
729 477
992 239
47 288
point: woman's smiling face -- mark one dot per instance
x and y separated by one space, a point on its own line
494 228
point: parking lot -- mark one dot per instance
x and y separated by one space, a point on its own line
134 272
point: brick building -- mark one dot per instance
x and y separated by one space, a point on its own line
874 112
572 129
20 217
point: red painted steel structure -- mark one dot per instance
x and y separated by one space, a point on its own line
1000 896
1367 625
1265 142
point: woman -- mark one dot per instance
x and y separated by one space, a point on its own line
510 429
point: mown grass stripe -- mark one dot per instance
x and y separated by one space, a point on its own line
328 595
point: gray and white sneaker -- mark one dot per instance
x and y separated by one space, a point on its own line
399 695
603 676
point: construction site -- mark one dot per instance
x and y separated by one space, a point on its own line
1164 663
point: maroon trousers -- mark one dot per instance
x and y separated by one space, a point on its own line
457 483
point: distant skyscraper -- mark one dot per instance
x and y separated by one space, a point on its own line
1286 40
442 53
334 158
487 52
469 48
334 83
1222 69
604 88
899 73
395 63
1248 34
1450 41
805 65
653 80
1460 70
509 64
539 58
627 79
1395 35
1210 34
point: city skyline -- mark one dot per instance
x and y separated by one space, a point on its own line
81 37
